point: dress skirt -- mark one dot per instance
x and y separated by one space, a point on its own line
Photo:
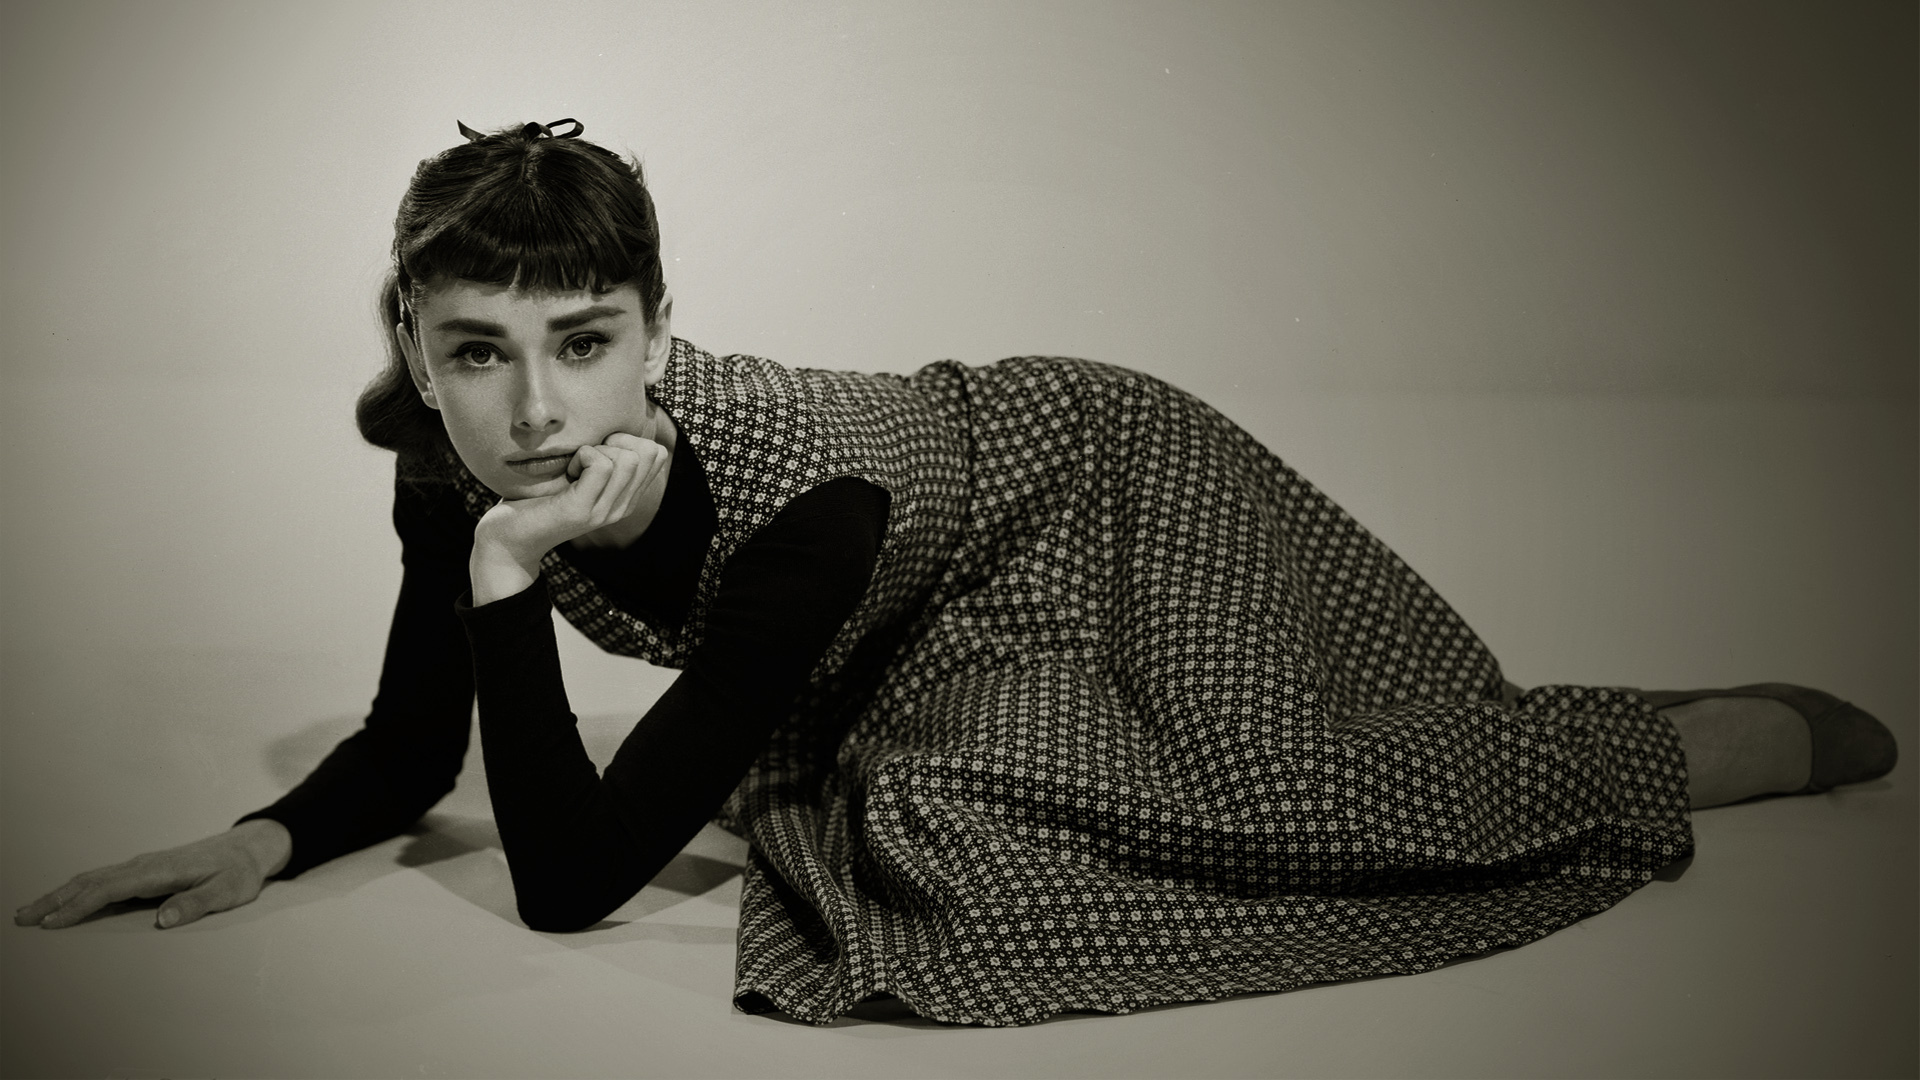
1153 720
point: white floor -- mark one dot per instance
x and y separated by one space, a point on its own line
1655 542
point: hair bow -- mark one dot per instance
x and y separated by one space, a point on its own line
532 131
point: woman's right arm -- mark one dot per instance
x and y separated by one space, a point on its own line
376 783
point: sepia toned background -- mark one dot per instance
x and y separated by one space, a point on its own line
1602 314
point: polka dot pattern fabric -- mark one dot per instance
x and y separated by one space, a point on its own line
1131 715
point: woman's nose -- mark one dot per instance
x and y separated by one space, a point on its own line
539 407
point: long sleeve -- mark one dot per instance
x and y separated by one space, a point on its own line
406 756
579 845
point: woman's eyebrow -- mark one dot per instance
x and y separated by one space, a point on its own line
582 317
472 326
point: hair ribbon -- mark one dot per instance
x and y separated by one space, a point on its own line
532 131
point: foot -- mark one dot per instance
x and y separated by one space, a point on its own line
1741 747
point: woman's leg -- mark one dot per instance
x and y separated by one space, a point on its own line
1740 747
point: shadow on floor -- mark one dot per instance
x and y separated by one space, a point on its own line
292 756
687 876
461 851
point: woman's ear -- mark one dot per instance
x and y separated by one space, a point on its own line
416 366
659 341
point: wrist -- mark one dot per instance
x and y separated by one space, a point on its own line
496 571
266 842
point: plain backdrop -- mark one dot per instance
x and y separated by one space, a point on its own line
1603 314
1259 203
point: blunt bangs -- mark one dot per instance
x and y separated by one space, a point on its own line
559 216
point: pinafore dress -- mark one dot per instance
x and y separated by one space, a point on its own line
1130 713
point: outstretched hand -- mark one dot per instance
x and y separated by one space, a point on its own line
607 485
220 872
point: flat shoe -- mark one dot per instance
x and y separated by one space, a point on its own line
1849 745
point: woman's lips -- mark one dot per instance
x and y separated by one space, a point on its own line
542 467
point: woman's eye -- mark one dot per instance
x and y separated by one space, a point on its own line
475 354
582 348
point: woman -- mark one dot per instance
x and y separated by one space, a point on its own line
1037 686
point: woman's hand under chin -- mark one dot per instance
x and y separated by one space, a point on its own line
609 483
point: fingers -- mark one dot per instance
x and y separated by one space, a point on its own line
68 904
622 467
649 460
595 470
87 893
635 443
653 457
205 876
616 498
224 890
31 914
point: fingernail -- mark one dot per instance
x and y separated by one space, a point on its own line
168 918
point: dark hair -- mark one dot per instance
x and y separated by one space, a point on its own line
522 207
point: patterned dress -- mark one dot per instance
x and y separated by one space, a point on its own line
1130 713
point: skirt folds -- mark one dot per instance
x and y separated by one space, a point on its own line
1173 726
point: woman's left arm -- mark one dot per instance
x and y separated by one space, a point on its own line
578 844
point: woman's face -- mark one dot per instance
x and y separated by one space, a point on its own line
523 379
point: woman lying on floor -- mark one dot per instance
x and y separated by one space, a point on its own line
1034 686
